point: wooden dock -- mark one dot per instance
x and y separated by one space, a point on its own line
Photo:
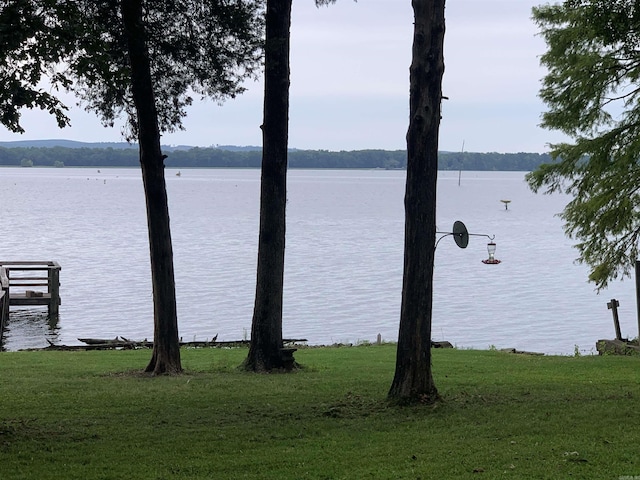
28 283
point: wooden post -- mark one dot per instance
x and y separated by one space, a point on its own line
638 295
613 306
4 300
54 289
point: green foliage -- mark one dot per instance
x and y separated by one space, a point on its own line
505 162
196 48
90 415
592 92
251 158
32 40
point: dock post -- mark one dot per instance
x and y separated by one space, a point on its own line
638 296
613 306
4 300
54 288
2 313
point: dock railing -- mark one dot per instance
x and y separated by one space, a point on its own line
4 299
32 283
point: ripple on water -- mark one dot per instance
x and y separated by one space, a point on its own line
343 262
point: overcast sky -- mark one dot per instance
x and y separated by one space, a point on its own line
350 84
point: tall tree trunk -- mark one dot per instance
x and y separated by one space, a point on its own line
166 346
413 380
266 326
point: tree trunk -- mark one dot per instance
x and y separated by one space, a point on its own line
166 347
266 326
413 380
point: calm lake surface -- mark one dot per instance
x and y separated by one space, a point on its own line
343 273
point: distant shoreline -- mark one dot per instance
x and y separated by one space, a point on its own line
48 153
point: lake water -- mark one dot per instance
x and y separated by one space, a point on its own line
344 256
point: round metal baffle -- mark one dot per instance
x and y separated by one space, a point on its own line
460 234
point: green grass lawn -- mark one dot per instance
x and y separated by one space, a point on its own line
90 415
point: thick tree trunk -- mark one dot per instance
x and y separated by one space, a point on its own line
166 347
266 326
413 380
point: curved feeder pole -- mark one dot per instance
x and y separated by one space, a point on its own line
461 237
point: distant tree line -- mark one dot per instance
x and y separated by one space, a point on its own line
217 157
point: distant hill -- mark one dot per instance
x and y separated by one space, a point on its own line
73 144
235 148
117 145
65 144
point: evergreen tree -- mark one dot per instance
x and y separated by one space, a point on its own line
142 59
592 92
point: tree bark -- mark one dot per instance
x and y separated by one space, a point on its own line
413 381
266 326
166 348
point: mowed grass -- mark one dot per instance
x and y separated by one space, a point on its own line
91 415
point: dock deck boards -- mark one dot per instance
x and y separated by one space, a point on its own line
22 299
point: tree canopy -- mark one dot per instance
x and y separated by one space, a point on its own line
32 38
592 91
197 48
